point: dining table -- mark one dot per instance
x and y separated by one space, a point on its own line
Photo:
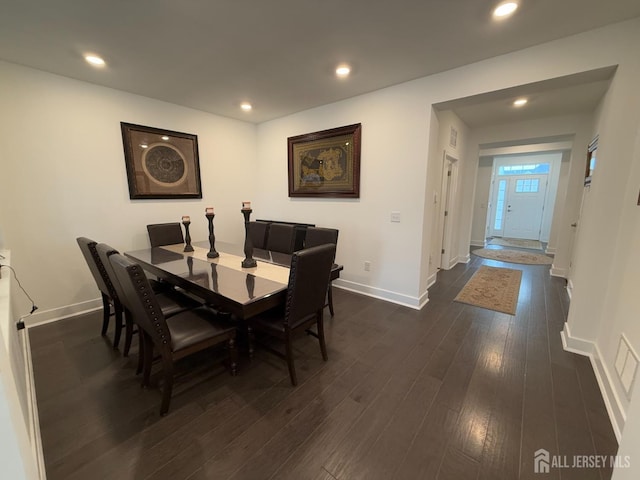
222 281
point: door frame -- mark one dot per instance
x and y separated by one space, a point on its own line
448 189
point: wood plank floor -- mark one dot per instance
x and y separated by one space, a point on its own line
448 392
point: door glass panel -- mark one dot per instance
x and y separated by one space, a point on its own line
502 190
527 186
536 168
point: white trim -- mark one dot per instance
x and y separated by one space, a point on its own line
587 348
432 279
550 250
466 259
32 408
558 272
477 243
394 297
569 288
60 313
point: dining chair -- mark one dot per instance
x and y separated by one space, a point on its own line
306 293
258 233
174 337
318 236
170 301
161 234
109 298
281 237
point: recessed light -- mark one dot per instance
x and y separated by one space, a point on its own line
164 137
343 70
246 106
144 145
505 9
520 102
95 60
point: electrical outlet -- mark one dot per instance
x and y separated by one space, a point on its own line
367 266
395 217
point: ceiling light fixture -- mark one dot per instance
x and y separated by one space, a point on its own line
95 60
505 9
343 71
246 106
520 102
164 137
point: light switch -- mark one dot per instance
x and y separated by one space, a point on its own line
395 217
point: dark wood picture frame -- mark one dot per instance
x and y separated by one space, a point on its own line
161 164
591 161
325 163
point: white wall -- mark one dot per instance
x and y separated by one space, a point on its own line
64 177
481 201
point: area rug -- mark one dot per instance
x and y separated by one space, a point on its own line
493 288
513 256
517 242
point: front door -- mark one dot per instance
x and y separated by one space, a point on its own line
524 206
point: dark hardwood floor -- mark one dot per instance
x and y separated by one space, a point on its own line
448 392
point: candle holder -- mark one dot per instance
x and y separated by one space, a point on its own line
248 261
187 237
212 238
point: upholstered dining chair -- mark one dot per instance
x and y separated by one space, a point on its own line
170 301
109 299
319 236
173 337
161 234
306 293
258 233
281 238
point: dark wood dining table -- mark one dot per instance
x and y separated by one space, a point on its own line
221 281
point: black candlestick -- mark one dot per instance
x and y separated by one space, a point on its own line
248 261
187 237
212 238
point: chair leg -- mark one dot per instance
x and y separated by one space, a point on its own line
106 306
323 345
330 298
292 368
118 311
233 356
128 335
167 387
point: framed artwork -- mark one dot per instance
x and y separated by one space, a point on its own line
325 163
160 163
591 161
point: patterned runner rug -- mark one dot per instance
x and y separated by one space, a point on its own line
513 256
493 288
517 242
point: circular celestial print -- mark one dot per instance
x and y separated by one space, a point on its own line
164 164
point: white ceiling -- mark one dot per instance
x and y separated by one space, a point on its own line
278 54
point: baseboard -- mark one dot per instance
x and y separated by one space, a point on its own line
587 348
32 408
569 288
432 279
394 297
558 272
47 316
550 250
477 243
465 259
